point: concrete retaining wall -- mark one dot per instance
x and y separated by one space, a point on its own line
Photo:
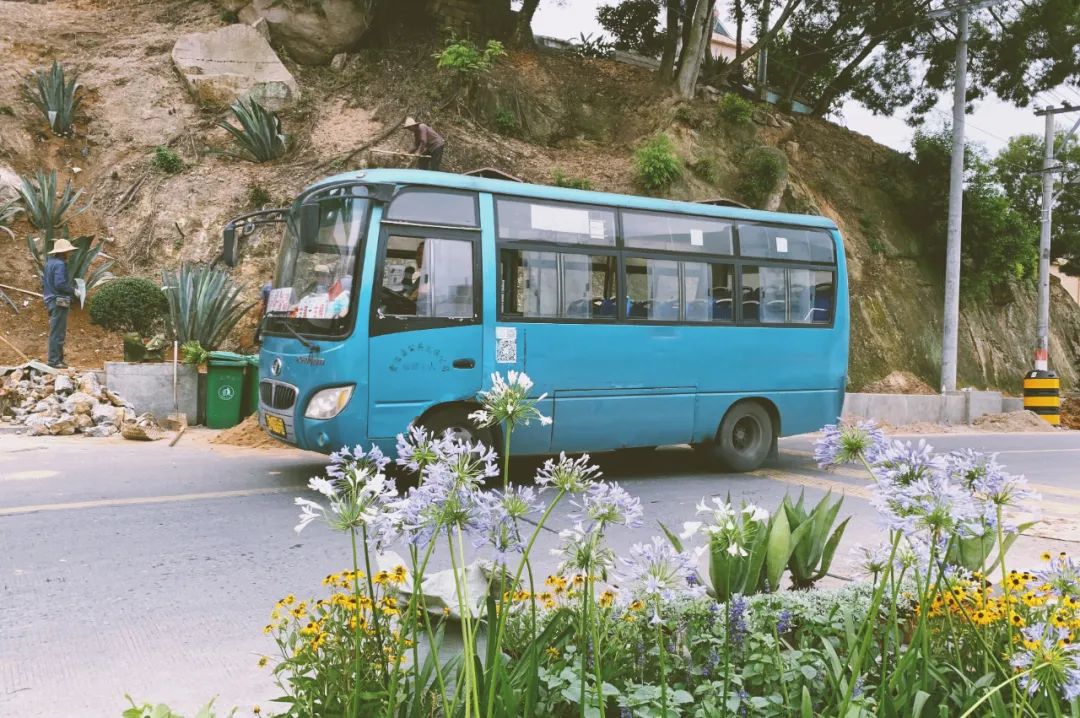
149 387
957 408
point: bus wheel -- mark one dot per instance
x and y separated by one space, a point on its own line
745 436
455 419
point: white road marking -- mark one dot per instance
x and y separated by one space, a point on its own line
140 500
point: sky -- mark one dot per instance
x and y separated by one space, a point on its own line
991 124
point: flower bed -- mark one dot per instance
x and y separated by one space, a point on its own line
929 634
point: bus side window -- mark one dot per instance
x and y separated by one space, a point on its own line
439 285
811 293
764 295
708 290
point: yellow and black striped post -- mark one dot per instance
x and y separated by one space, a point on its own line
1042 395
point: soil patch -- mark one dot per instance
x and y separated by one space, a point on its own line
1070 412
899 382
87 346
248 434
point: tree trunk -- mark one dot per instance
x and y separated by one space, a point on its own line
671 42
738 26
695 47
749 52
523 36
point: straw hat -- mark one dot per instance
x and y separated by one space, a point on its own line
410 122
62 245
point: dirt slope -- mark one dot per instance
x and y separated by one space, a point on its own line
581 118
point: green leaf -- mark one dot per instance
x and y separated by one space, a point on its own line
806 708
671 537
779 549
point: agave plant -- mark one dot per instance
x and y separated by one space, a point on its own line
79 270
45 210
260 135
8 209
55 93
812 544
204 304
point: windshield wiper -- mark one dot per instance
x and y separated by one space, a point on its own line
309 345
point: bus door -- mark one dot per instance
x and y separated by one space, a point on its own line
426 343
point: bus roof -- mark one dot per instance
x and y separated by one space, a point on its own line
564 194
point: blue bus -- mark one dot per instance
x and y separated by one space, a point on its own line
647 322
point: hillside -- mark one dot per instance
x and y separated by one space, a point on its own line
557 113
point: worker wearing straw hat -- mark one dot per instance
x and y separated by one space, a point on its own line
58 293
429 144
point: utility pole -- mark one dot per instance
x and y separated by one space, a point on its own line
951 321
1042 327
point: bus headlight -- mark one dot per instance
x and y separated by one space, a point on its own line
328 403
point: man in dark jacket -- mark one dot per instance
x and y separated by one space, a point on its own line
58 294
428 144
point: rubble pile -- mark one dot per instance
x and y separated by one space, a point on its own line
61 403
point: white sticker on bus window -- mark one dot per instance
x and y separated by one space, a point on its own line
781 244
697 237
506 345
596 228
559 219
279 299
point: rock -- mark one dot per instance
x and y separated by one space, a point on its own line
42 407
112 397
79 400
224 65
248 14
38 420
39 430
339 62
771 119
792 149
83 422
759 117
89 384
312 33
63 385
64 426
9 182
104 414
100 431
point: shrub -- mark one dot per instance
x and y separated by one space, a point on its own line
734 109
561 180
506 121
657 164
258 196
6 110
465 60
167 160
635 26
45 210
129 304
598 48
764 168
260 135
707 169
55 93
204 304
229 17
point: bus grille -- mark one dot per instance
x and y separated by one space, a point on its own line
277 396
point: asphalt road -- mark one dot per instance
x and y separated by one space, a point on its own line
138 568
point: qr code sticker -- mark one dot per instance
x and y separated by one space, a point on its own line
506 350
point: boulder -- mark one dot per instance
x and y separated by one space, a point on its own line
235 61
64 426
248 14
9 182
312 33
63 385
89 384
101 431
83 422
105 414
79 403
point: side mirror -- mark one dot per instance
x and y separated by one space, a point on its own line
309 224
230 253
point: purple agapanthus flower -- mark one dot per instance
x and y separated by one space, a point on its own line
845 443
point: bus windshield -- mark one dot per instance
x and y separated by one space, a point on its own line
313 286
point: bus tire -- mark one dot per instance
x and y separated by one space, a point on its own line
455 419
745 437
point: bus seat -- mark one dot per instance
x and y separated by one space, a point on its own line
722 309
697 310
607 308
666 311
639 309
579 308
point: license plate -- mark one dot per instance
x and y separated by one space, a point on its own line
275 425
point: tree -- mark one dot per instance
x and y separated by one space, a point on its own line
1017 169
672 10
999 240
635 26
696 36
523 36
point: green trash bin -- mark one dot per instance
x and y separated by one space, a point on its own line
250 397
224 389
